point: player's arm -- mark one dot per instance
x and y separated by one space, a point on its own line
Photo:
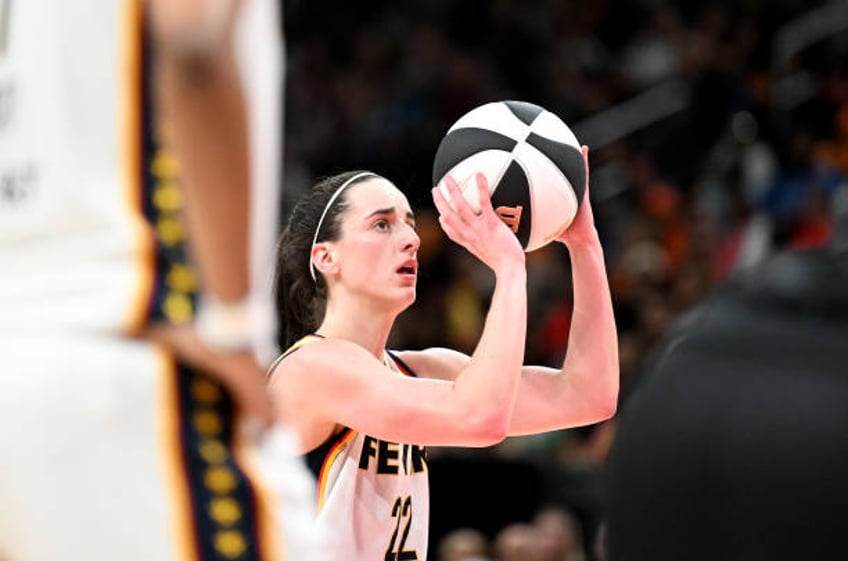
198 94
333 381
200 97
585 389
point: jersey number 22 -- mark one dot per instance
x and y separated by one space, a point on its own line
402 512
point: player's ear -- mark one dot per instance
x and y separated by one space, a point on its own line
324 258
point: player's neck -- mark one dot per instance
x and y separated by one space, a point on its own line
367 328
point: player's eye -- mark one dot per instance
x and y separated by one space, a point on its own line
381 225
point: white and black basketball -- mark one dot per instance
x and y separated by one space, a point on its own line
531 159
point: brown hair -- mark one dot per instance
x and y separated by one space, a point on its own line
300 301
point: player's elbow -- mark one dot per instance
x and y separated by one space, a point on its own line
487 428
605 405
607 409
192 34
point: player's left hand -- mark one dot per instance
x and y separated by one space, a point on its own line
239 372
582 230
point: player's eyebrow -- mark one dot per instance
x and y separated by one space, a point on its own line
389 211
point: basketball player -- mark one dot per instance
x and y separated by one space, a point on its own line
346 268
120 408
735 446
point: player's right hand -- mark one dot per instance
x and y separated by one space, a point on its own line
483 234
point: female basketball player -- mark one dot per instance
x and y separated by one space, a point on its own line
365 414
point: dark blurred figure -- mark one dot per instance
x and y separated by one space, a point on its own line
735 445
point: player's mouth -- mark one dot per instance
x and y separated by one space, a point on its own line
409 269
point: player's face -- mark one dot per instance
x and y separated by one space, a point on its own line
378 246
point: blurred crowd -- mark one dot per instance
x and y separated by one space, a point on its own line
718 135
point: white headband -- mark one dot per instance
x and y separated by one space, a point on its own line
335 196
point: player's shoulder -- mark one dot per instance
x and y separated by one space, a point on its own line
318 355
294 357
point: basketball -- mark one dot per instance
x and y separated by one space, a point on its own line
532 162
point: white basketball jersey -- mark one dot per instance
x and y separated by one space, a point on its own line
89 232
373 495
70 244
